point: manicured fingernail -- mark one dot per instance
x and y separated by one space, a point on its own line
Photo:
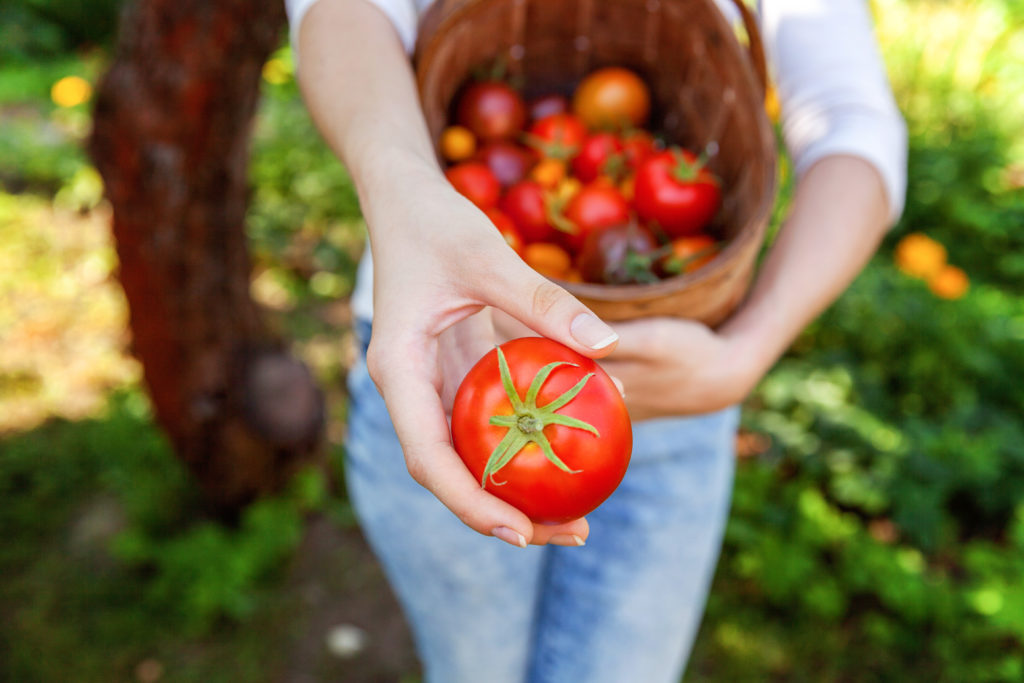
618 385
590 331
566 539
509 536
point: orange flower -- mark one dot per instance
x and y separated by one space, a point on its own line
949 283
71 91
920 256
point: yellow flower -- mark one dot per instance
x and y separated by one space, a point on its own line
276 71
949 283
70 91
920 256
772 106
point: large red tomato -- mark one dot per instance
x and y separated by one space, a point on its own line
597 205
677 192
492 110
543 428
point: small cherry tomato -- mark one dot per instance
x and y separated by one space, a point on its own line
677 192
611 98
543 428
507 229
508 161
475 181
547 105
457 143
637 146
548 259
599 154
558 135
597 205
526 204
548 172
618 255
688 254
492 110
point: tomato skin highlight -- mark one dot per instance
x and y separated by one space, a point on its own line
531 482
679 207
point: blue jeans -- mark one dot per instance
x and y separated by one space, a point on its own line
623 608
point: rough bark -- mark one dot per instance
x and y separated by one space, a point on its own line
171 139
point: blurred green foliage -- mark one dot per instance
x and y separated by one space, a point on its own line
877 533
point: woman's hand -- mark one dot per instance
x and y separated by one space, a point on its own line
431 287
671 367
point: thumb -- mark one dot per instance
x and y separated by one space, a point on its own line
547 309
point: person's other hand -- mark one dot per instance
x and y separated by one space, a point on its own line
672 367
418 353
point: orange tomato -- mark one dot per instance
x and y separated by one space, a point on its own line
949 283
548 172
550 260
690 253
612 97
920 256
457 143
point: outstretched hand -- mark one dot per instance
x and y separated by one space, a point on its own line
430 326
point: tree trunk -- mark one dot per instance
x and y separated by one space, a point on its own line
171 139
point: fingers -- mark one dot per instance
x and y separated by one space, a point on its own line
572 533
546 308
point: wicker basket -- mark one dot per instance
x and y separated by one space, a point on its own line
708 93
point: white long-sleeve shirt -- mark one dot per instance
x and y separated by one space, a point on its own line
832 86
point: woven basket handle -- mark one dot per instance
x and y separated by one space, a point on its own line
441 9
755 46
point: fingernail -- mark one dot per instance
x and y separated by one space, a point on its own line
590 331
510 536
566 539
618 385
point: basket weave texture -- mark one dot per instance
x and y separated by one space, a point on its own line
707 90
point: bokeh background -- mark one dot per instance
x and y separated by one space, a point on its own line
878 521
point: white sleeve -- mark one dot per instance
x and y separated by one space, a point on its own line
833 88
403 14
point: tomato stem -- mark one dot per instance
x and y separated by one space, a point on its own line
527 423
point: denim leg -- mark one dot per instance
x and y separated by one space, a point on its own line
470 600
626 607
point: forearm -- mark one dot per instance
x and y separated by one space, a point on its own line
359 87
839 214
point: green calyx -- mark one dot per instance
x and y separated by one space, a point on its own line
527 423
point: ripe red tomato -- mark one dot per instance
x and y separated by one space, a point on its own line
492 110
508 161
526 205
612 97
595 155
557 448
475 181
558 135
676 192
546 105
507 229
597 205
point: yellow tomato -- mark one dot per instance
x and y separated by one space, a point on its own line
457 143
